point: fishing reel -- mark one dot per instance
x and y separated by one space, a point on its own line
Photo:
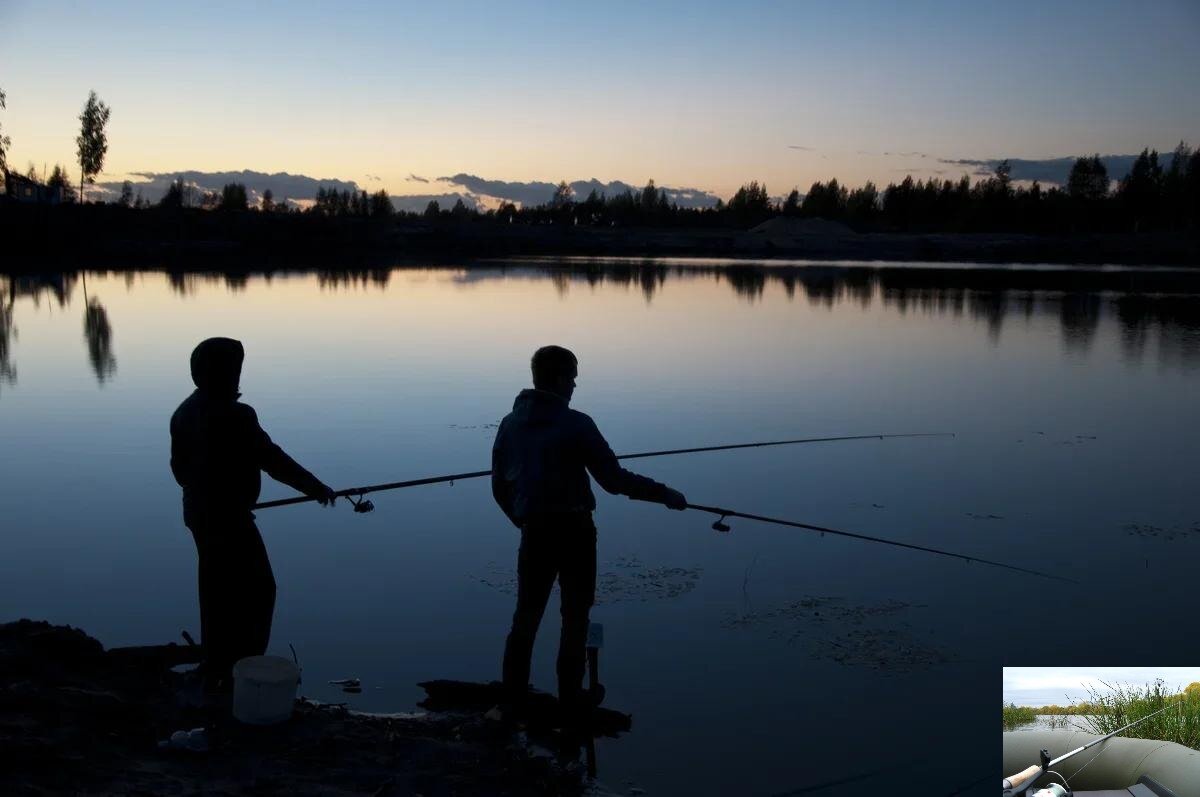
361 504
720 525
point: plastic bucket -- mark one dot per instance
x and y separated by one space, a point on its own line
264 689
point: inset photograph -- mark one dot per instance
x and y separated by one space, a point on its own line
1101 731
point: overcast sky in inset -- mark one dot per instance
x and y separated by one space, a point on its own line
1044 686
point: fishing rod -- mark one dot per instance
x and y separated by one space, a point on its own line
720 525
1015 784
356 494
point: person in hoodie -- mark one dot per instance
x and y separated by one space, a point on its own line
543 453
218 450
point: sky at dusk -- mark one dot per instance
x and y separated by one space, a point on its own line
697 94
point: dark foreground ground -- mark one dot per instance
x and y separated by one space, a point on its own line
76 719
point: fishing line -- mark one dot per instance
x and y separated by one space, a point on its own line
720 525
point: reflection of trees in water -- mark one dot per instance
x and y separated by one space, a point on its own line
354 278
1079 316
1175 318
98 333
991 308
8 371
985 295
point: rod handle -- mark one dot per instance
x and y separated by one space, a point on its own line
1021 778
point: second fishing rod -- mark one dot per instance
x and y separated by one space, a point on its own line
356 496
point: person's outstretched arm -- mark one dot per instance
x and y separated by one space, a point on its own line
602 463
282 468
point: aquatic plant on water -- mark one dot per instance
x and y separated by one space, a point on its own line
1015 716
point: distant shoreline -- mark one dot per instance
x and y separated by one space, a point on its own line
42 239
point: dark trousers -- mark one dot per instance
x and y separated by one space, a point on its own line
562 547
237 592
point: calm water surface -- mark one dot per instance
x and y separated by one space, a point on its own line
747 658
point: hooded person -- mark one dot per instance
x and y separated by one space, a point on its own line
543 453
218 451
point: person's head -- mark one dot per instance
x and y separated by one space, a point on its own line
554 370
217 366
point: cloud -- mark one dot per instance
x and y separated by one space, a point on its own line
374 177
412 178
796 146
281 184
538 193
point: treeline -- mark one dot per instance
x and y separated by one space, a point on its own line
1153 196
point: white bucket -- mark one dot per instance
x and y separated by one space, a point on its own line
264 689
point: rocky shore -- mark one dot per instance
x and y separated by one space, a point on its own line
75 718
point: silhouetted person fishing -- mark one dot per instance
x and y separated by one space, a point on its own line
541 459
217 452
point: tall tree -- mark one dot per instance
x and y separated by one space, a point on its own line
5 141
59 179
381 204
563 195
791 205
1088 179
126 199
92 141
268 201
233 197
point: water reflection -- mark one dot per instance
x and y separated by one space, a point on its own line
98 333
8 371
1147 306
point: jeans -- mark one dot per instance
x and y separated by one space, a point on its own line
237 592
562 547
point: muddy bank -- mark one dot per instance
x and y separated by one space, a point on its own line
75 718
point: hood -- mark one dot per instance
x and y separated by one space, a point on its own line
217 366
537 407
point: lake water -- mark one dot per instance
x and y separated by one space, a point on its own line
748 659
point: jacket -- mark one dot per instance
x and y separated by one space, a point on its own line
543 453
218 448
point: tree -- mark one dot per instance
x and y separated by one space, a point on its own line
268 201
1088 180
175 196
433 209
233 197
59 179
863 203
460 210
750 201
381 204
126 199
1139 191
649 197
564 195
791 205
5 141
92 141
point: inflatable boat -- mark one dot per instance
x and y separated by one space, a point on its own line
1114 767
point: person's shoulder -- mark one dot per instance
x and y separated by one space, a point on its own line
581 420
243 412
